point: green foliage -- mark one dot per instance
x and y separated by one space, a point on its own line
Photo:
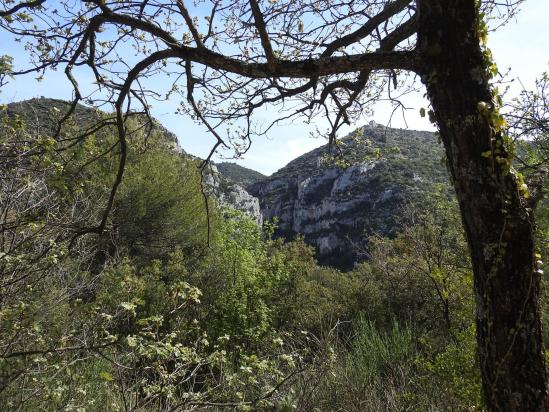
6 66
241 280
373 372
423 274
150 316
159 206
119 311
239 174
316 297
379 355
454 374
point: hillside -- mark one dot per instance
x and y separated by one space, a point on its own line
239 174
337 203
39 115
334 196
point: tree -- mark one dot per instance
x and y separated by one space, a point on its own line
332 57
121 317
423 272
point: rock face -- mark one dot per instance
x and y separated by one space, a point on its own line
237 197
336 207
230 194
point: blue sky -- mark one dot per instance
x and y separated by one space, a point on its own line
522 45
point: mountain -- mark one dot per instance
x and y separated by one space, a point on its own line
239 174
40 116
338 196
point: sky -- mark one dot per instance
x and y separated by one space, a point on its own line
522 45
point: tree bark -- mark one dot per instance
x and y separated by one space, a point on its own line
497 221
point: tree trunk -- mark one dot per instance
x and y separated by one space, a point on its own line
498 223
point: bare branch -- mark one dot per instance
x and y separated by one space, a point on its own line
190 23
17 7
262 30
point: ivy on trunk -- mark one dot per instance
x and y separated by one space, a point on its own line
497 217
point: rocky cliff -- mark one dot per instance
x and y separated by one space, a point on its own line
231 194
336 197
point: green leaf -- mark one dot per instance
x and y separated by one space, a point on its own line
128 306
132 341
106 376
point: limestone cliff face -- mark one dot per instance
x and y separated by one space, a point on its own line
237 197
336 207
230 194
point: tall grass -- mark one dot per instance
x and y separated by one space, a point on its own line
378 370
371 372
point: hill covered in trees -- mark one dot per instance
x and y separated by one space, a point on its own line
175 306
239 174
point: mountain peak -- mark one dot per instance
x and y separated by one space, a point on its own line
338 196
